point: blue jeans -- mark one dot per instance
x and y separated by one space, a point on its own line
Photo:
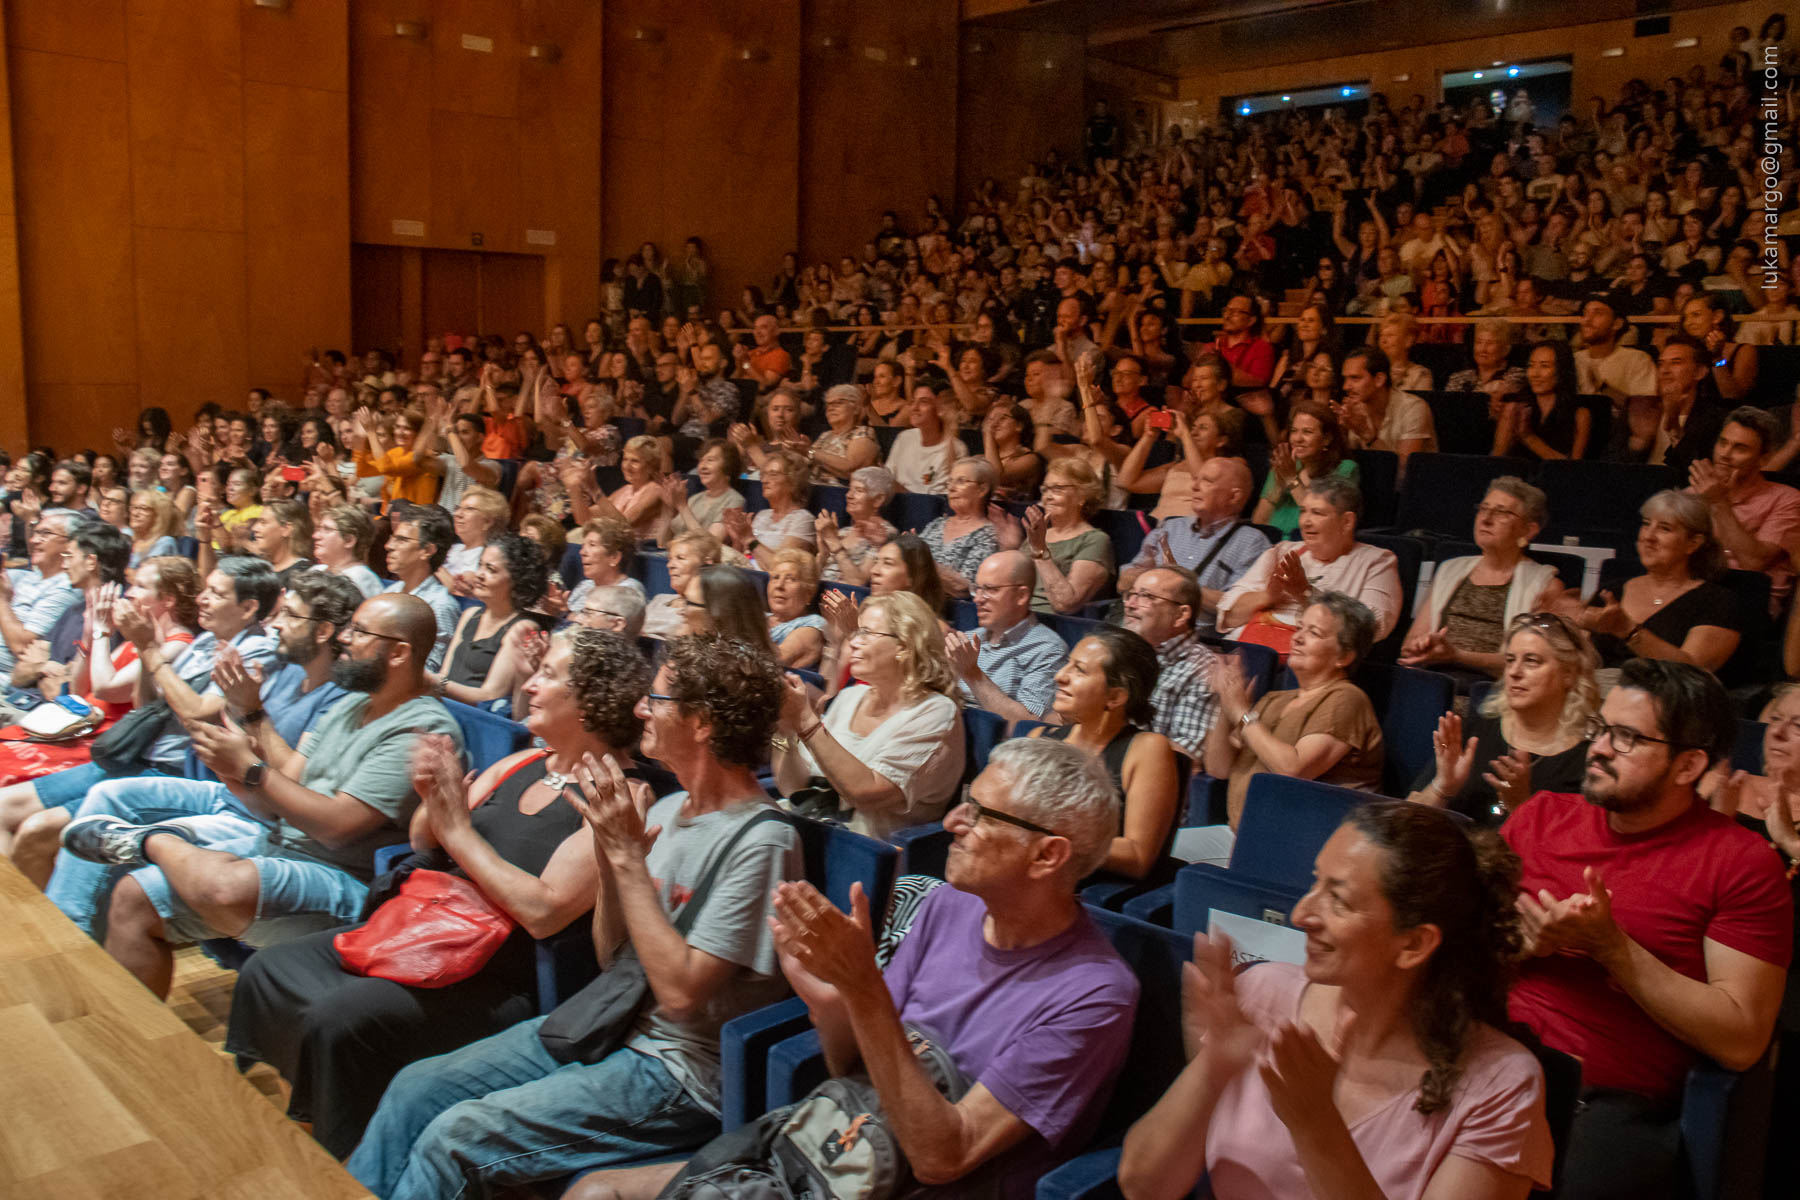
502 1112
81 888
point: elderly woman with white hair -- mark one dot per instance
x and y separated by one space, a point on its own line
1674 610
1474 599
849 444
1530 734
846 554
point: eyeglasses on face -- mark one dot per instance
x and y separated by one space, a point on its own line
872 633
1495 510
989 589
352 632
978 811
1624 738
1142 596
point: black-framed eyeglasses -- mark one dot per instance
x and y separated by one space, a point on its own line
978 810
1624 738
354 631
1141 595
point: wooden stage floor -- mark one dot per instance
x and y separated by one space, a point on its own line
107 1092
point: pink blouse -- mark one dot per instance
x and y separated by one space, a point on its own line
1495 1116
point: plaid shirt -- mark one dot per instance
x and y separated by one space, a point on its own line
1185 703
1022 662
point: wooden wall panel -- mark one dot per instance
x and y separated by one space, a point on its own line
302 45
13 424
191 319
1019 95
877 116
475 81
512 293
90 29
73 180
297 225
390 144
187 128
451 287
559 151
475 181
375 291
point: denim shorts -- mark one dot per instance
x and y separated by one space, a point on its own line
68 788
297 896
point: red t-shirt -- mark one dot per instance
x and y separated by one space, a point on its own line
1700 876
1254 356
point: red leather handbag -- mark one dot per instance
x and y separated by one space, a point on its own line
438 930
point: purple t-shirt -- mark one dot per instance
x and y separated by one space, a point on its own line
1046 1029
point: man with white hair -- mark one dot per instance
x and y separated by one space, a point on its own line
1002 967
615 607
33 599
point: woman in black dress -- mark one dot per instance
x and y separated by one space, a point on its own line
339 1038
1530 734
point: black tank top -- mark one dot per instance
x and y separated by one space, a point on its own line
1112 754
472 659
526 842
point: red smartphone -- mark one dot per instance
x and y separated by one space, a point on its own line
1163 419
293 474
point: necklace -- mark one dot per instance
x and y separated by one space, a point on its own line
557 781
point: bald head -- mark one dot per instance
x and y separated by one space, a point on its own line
404 617
1221 488
1003 588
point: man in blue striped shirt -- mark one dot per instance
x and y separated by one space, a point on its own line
1216 545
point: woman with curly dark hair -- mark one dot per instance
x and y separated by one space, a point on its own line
339 1037
1380 1066
487 653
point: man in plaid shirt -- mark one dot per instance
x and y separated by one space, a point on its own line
1160 608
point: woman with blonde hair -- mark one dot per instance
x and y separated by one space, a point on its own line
666 614
639 501
1530 734
1074 560
785 524
151 521
889 748
479 515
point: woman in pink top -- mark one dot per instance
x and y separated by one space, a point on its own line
1377 1069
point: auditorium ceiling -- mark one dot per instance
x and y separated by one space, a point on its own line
1184 38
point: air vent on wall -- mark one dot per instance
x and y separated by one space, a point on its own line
1650 27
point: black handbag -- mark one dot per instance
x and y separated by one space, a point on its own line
595 1021
124 749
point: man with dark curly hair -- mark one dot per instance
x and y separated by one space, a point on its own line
512 1109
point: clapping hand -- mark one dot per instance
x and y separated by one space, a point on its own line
1431 646
1213 1024
1288 581
241 682
1227 680
1007 531
1037 530
825 529
1708 481
612 812
737 527
225 749
555 603
964 653
133 621
828 946
1455 758
1301 1074
1608 617
442 785
841 611
1578 924
1510 777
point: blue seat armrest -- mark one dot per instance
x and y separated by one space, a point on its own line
796 1065
1156 906
1725 1127
744 1045
923 849
1111 894
387 856
565 965
1090 1176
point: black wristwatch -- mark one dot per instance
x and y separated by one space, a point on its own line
254 776
252 717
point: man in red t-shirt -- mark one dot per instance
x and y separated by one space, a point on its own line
1658 931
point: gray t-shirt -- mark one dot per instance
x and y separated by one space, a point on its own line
733 925
372 762
366 580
